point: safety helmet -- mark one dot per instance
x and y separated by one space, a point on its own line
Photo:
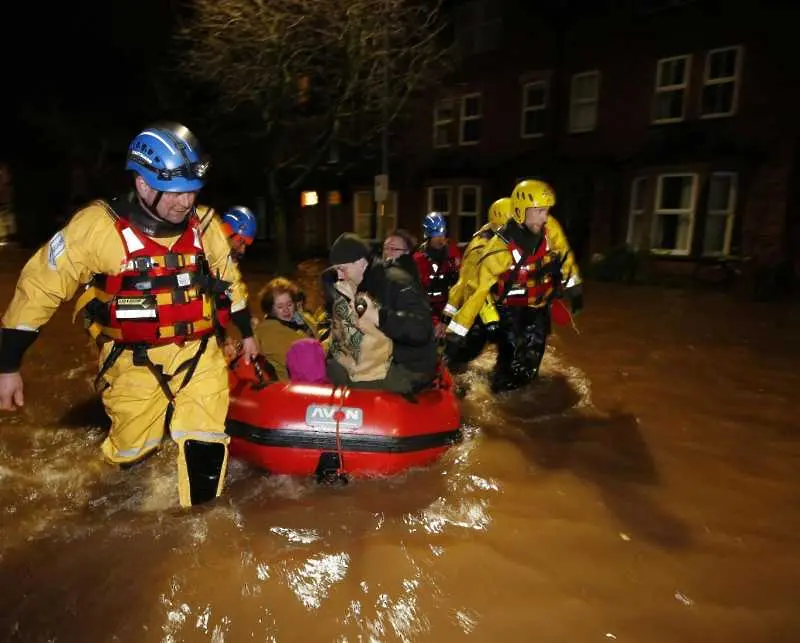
499 212
434 225
240 221
168 157
530 194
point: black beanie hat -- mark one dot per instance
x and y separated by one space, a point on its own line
349 247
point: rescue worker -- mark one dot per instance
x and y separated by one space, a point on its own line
239 226
152 279
438 261
486 324
524 267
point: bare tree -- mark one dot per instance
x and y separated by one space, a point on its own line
316 73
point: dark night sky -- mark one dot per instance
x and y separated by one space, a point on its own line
88 61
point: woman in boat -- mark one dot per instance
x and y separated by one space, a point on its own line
281 327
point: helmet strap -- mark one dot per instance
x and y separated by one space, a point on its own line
152 207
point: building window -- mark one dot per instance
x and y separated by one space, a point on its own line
469 208
673 215
365 215
478 26
440 199
471 116
534 104
672 85
584 96
443 119
720 213
467 110
636 217
721 82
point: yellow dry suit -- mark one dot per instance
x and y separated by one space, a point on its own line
176 382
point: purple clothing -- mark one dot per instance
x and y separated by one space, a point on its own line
305 361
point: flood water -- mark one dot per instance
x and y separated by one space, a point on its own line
644 490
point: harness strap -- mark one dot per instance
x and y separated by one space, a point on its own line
113 355
112 284
141 358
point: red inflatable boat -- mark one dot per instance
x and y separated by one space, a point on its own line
307 429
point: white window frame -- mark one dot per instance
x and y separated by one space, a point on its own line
443 122
429 198
577 102
535 108
634 212
683 87
392 194
463 118
729 214
658 211
478 204
736 79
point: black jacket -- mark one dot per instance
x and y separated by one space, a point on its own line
405 315
407 263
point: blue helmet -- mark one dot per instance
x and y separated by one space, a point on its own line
434 225
240 221
168 157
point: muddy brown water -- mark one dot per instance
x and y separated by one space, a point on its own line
644 490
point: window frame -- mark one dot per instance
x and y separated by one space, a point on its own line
634 212
736 79
577 102
658 212
460 213
729 214
463 118
536 108
662 89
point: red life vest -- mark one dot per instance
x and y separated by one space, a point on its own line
437 279
161 296
532 280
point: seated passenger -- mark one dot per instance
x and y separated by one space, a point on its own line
399 247
381 325
280 328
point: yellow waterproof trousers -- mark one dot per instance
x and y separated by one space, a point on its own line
137 405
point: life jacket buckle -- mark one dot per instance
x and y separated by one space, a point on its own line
142 264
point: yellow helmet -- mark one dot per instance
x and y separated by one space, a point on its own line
499 212
530 194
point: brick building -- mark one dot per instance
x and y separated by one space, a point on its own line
667 125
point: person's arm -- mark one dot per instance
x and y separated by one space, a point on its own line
571 280
87 245
408 318
495 261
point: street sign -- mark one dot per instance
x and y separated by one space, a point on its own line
381 188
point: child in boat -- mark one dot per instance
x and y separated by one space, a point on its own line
305 362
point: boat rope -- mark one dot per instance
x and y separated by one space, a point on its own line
339 416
